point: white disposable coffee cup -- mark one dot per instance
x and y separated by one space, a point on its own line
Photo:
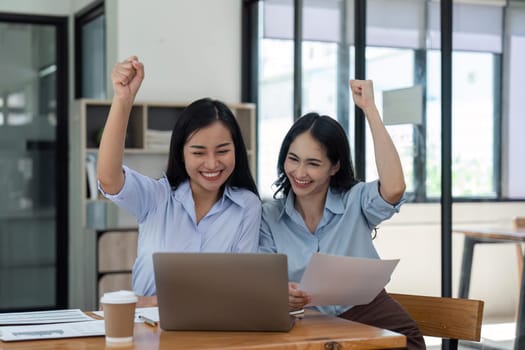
119 315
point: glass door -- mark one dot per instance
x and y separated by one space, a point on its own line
33 163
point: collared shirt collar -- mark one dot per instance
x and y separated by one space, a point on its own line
334 203
230 193
184 195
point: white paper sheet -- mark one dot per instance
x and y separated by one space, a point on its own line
343 280
52 331
43 317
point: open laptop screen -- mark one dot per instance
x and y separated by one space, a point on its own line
222 291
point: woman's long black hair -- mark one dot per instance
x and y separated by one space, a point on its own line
329 133
200 114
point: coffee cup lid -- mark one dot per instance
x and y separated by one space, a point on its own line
119 297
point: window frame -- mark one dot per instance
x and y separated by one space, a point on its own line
82 18
359 127
62 143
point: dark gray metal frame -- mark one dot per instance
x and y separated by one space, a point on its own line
86 15
62 145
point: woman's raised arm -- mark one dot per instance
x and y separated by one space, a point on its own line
391 179
126 78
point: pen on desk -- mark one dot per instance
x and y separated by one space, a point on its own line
148 321
297 313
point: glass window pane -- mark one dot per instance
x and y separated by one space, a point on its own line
93 60
433 130
275 108
16 100
319 78
473 108
473 111
29 265
380 63
514 142
17 118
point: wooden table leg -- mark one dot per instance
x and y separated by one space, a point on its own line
466 267
519 343
519 255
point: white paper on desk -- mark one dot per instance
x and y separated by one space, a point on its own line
343 280
43 317
52 331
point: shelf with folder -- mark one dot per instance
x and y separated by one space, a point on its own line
150 126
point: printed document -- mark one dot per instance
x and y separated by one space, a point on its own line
43 317
52 331
343 280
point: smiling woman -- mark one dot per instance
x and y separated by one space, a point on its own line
321 207
206 202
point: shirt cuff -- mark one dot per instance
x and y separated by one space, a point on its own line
109 195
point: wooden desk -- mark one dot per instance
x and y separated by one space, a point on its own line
474 236
314 331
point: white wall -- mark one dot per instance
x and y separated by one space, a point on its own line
43 7
35 7
190 48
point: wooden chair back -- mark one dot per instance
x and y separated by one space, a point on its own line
518 222
451 318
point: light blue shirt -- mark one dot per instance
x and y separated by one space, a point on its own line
345 229
167 222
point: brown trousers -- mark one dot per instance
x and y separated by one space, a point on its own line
384 312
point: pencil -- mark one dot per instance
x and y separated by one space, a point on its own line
148 321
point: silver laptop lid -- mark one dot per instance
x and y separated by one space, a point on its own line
222 291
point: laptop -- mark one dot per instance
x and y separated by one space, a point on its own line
222 291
